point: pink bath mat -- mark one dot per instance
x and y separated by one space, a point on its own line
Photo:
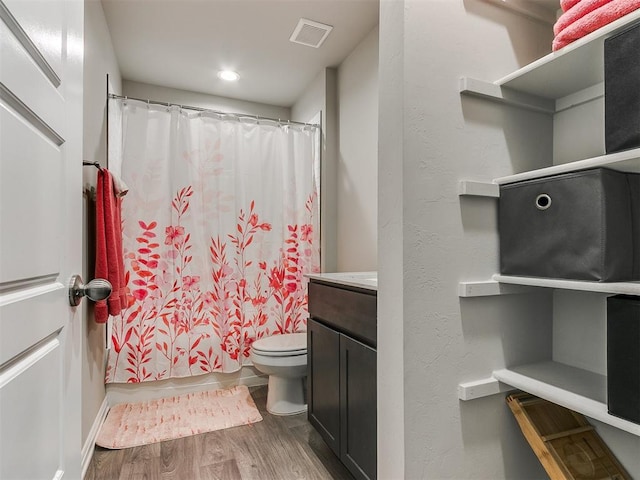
133 424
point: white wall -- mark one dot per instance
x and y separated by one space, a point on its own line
347 98
430 340
357 173
322 96
99 60
312 100
146 91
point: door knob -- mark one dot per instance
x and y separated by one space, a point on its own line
97 289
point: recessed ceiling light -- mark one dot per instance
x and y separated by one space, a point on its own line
228 75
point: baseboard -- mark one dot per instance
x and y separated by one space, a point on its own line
89 444
140 392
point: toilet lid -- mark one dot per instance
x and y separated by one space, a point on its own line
291 343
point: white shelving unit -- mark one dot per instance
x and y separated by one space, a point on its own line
556 82
511 285
615 288
627 161
556 76
573 388
572 69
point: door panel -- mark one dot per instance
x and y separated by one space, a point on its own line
26 318
38 94
32 185
42 23
22 406
40 237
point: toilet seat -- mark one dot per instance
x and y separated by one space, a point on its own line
285 345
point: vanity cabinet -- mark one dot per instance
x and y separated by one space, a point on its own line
341 381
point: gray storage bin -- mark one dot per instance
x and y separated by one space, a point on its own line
634 187
623 357
578 225
622 90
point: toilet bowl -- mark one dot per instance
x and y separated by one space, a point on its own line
284 359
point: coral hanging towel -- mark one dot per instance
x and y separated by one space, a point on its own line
109 256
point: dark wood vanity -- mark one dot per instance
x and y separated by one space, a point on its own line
341 381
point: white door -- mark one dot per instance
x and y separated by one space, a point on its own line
41 55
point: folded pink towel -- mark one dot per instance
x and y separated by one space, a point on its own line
575 13
567 4
593 20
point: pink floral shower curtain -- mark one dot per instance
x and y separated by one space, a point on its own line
220 224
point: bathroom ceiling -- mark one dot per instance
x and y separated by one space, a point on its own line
184 43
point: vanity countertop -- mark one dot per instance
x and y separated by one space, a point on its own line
366 280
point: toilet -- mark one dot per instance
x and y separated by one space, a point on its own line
284 359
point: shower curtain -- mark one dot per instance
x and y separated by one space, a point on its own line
220 224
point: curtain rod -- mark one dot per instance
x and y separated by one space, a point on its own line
200 109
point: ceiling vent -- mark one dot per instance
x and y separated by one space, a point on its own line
310 33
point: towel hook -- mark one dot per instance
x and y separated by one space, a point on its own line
91 164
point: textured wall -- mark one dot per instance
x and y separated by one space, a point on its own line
439 239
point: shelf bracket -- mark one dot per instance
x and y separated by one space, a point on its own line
497 93
478 189
489 288
481 388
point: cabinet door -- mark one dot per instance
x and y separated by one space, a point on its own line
358 408
323 363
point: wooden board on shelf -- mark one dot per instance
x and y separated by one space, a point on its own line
566 444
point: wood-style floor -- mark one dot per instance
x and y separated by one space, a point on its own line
277 448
